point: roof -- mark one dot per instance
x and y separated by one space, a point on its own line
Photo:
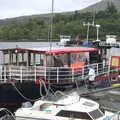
54 50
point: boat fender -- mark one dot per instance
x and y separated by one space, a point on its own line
26 105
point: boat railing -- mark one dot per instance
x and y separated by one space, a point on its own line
53 74
104 44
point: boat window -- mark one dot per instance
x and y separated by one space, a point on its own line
49 61
6 58
78 59
64 59
36 59
96 114
74 114
39 59
25 56
14 58
31 59
20 57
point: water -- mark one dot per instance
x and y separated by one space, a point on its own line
5 45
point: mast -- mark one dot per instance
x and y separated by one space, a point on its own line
51 26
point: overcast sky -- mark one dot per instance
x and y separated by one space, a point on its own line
15 8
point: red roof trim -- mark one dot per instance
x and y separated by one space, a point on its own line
56 51
115 57
72 50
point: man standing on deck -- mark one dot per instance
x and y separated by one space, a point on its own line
91 76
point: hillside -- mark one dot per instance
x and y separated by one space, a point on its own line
37 27
102 5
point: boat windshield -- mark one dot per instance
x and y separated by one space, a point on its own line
93 115
96 114
74 114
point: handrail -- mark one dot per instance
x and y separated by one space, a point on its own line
54 74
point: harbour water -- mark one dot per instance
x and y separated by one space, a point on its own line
4 45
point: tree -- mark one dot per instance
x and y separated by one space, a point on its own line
111 8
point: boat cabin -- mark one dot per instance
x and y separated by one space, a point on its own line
44 56
55 63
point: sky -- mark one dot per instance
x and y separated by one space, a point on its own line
16 8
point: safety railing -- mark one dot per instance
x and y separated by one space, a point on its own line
104 44
53 74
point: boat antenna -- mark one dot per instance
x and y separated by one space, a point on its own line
88 27
93 22
90 24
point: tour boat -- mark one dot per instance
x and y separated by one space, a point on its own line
56 65
27 73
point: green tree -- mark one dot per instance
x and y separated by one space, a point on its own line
111 8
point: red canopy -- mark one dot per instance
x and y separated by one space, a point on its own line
54 50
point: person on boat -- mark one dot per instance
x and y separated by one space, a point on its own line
86 67
78 40
91 77
57 61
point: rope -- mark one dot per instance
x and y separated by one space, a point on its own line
32 100
8 112
42 84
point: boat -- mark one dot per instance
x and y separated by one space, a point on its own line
63 106
70 107
59 66
29 73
